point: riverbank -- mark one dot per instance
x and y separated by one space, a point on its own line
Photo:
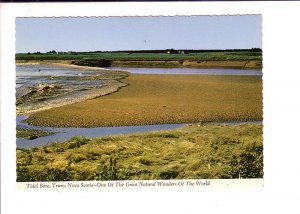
62 63
163 99
234 64
35 136
193 152
34 107
31 134
254 64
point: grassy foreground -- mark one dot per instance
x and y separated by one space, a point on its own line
191 152
163 99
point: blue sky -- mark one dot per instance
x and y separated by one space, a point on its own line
138 33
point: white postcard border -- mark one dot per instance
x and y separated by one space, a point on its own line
281 180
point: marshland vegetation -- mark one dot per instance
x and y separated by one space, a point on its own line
31 133
196 151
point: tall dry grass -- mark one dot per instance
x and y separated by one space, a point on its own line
192 152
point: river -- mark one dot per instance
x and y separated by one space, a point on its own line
31 75
63 134
202 71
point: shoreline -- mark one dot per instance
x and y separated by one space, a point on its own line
230 64
63 63
110 86
103 91
50 134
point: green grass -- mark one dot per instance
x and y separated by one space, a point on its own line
163 99
31 134
228 55
192 152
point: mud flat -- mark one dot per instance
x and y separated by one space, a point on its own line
164 99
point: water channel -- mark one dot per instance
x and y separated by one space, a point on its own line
30 75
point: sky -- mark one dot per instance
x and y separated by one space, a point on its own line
138 33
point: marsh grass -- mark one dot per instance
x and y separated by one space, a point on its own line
31 134
164 99
191 152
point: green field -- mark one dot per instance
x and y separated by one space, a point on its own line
242 59
196 151
218 55
163 99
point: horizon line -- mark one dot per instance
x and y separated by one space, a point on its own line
146 50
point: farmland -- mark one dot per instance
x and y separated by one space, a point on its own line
196 151
162 99
229 58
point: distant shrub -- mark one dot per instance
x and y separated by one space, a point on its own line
94 63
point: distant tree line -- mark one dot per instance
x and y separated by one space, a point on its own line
173 51
169 51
